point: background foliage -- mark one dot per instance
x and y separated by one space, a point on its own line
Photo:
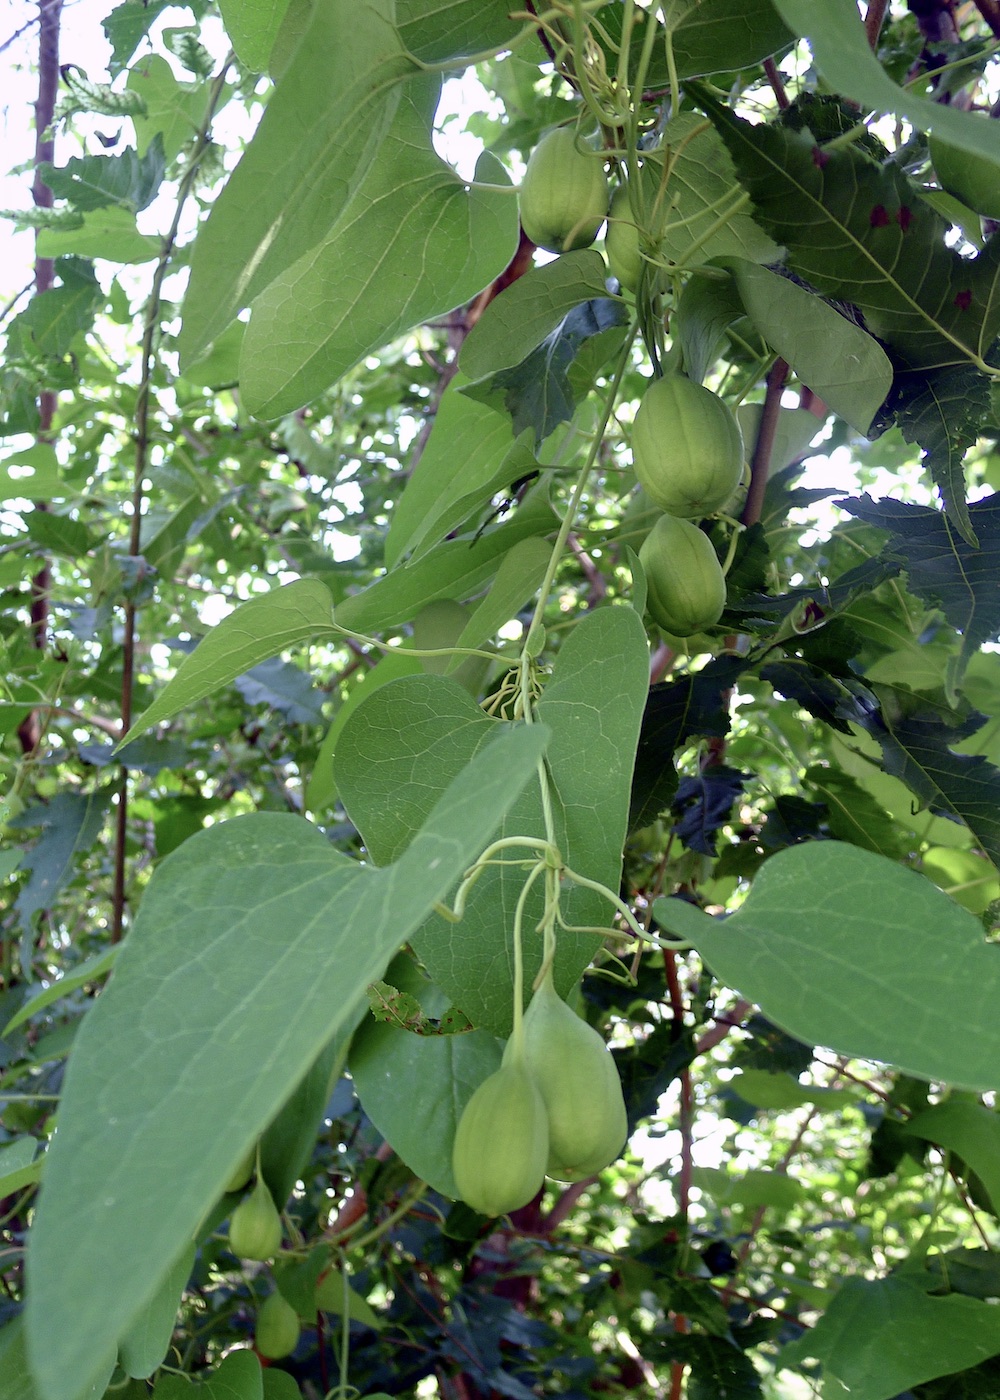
316 486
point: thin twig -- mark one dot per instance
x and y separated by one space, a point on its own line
142 439
777 85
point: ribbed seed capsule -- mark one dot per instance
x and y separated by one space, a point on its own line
564 194
255 1225
277 1330
579 1083
502 1142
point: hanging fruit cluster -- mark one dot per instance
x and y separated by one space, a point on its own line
553 1108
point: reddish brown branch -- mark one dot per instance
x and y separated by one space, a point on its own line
874 16
760 461
777 85
30 730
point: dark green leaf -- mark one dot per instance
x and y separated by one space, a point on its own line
92 182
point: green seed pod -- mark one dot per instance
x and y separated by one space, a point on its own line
502 1142
687 447
686 588
621 245
277 1327
255 1225
967 175
579 1081
564 195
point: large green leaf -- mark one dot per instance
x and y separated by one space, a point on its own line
969 1129
252 25
414 242
461 466
830 354
403 744
257 630
435 30
332 108
530 309
252 946
880 1337
846 949
844 56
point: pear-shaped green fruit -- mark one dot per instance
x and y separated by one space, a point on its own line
685 585
277 1327
502 1142
622 243
255 1225
563 198
969 176
687 447
578 1078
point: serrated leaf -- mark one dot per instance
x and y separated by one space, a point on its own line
702 805
126 25
257 630
693 707
845 949
942 569
917 748
853 814
70 824
105 233
334 105
356 289
92 182
830 354
844 56
859 232
253 943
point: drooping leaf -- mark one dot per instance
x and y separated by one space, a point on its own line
70 823
334 104
518 578
971 1130
708 306
702 806
830 354
879 1337
456 568
254 942
846 949
285 687
355 289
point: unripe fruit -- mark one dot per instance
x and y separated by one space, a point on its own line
967 175
621 244
277 1327
686 447
578 1078
255 1225
502 1142
564 195
685 585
